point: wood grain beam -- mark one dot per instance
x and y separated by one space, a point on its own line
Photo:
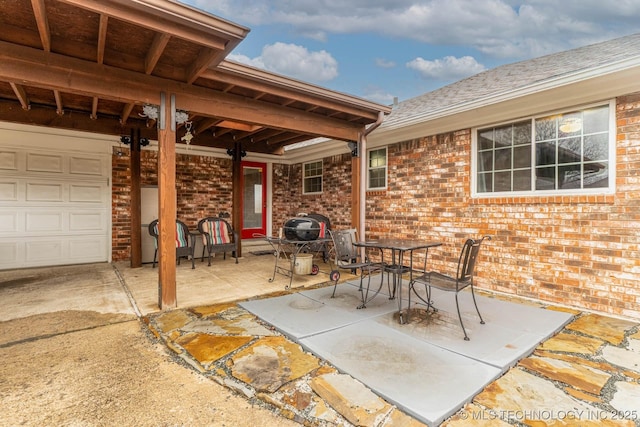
126 112
158 46
40 14
21 94
58 98
102 38
52 71
185 23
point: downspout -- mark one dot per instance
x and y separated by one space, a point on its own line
362 150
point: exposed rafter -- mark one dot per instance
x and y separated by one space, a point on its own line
106 59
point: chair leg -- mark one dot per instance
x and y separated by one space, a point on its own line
155 255
202 257
473 295
466 337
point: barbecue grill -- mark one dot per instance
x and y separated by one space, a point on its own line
303 234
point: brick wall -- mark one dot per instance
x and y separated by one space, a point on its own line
203 187
580 251
334 202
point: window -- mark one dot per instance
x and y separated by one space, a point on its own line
377 169
560 153
312 180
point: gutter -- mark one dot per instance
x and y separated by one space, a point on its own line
362 150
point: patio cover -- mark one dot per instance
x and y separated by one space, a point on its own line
93 65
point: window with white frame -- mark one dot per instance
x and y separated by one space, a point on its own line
377 169
312 180
565 152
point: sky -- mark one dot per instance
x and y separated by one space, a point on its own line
381 50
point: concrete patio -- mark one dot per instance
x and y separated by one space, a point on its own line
235 327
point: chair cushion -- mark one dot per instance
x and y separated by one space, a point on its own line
182 239
217 231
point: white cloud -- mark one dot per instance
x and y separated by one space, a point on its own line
379 95
383 63
500 28
293 61
448 68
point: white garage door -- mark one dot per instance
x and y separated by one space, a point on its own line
54 207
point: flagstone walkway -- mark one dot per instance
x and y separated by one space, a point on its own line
586 375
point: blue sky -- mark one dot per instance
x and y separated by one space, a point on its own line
381 49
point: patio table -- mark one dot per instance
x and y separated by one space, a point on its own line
288 250
398 248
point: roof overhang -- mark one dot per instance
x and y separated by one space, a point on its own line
580 88
94 65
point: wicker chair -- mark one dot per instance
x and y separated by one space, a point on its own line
184 247
218 237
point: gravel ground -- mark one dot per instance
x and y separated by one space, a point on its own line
74 368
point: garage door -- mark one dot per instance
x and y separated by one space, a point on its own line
54 207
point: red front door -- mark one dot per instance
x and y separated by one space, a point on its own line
254 199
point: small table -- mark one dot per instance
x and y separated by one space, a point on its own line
289 250
398 249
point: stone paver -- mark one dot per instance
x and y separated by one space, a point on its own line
609 329
572 343
584 378
272 362
359 405
586 375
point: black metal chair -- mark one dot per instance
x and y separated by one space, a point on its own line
348 257
184 246
218 237
462 279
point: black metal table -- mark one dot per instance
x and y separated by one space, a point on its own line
397 268
288 250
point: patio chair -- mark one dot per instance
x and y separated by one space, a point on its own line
348 257
444 282
218 237
184 247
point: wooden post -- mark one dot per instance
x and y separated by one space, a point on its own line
136 221
237 193
167 204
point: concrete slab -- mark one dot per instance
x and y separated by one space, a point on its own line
511 331
424 380
86 288
298 315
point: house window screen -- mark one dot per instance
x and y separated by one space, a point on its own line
312 182
377 169
554 153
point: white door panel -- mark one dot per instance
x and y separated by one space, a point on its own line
55 207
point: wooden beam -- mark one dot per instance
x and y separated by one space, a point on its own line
40 13
52 71
102 38
184 22
204 58
94 108
21 94
167 211
126 112
160 42
236 190
136 198
58 98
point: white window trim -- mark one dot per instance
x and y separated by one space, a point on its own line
386 169
547 193
304 178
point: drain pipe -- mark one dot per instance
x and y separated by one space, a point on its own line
362 150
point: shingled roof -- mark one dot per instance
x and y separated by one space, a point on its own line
512 81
